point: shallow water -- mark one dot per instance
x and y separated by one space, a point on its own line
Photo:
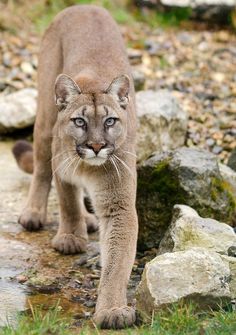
13 297
29 254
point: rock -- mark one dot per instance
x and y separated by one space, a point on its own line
44 284
232 266
217 149
229 175
21 279
135 56
213 10
17 110
196 274
232 160
185 176
162 124
195 3
232 251
139 79
27 68
189 230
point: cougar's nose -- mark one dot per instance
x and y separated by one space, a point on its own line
96 147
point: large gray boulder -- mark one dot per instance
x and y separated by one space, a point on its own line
196 275
188 230
196 3
162 124
17 110
210 10
184 176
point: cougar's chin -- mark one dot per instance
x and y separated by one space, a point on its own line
96 161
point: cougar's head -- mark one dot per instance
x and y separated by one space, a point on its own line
95 124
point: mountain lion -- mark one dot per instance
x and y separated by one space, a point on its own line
84 137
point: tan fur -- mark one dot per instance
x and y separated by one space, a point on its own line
84 43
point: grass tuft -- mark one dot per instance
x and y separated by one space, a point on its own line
39 322
180 319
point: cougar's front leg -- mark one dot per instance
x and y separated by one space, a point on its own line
119 229
72 235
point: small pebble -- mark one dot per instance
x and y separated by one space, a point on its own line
90 303
217 149
21 279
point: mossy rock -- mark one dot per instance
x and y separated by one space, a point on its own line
184 176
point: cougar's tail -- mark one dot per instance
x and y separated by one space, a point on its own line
23 153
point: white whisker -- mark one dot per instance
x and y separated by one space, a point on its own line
114 164
131 153
61 165
61 153
104 166
72 159
76 167
125 165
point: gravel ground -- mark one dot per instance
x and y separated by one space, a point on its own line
198 66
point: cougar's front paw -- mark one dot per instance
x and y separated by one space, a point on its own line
91 222
69 244
115 318
31 220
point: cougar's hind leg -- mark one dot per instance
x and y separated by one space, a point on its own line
34 214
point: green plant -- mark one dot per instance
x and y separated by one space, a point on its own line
39 322
180 319
172 17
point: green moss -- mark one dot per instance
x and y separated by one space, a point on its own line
158 191
221 188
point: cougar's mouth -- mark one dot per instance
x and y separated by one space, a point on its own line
91 157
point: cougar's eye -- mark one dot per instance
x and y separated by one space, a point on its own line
110 122
79 122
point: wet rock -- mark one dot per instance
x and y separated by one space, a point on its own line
17 110
195 274
162 123
184 176
90 303
189 230
77 298
87 283
21 279
81 261
44 284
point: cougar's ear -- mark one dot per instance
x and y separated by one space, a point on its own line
120 89
65 89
